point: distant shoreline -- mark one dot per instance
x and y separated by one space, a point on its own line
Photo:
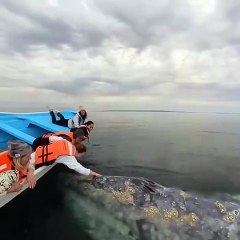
166 111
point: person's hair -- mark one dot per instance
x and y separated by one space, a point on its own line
81 108
78 133
18 149
85 131
81 148
88 123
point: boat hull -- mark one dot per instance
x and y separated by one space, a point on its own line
27 127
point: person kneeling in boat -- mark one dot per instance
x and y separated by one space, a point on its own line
75 137
62 151
15 164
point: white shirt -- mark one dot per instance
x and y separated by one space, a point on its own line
54 138
72 163
74 122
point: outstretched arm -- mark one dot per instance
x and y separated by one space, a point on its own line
72 163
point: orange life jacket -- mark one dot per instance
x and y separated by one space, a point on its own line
59 134
45 155
6 164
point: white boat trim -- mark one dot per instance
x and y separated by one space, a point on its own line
4 199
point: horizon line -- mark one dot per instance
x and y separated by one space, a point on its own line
155 110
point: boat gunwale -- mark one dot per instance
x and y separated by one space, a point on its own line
38 173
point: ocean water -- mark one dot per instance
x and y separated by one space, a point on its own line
197 152
192 151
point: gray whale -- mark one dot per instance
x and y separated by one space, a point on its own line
152 211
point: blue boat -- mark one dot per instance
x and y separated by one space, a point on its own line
27 127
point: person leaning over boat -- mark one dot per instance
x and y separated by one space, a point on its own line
75 137
62 151
18 158
89 125
79 119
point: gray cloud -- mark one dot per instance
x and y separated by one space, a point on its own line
49 30
210 91
145 23
45 30
179 49
135 24
77 86
104 87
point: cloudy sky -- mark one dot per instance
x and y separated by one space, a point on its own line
120 54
